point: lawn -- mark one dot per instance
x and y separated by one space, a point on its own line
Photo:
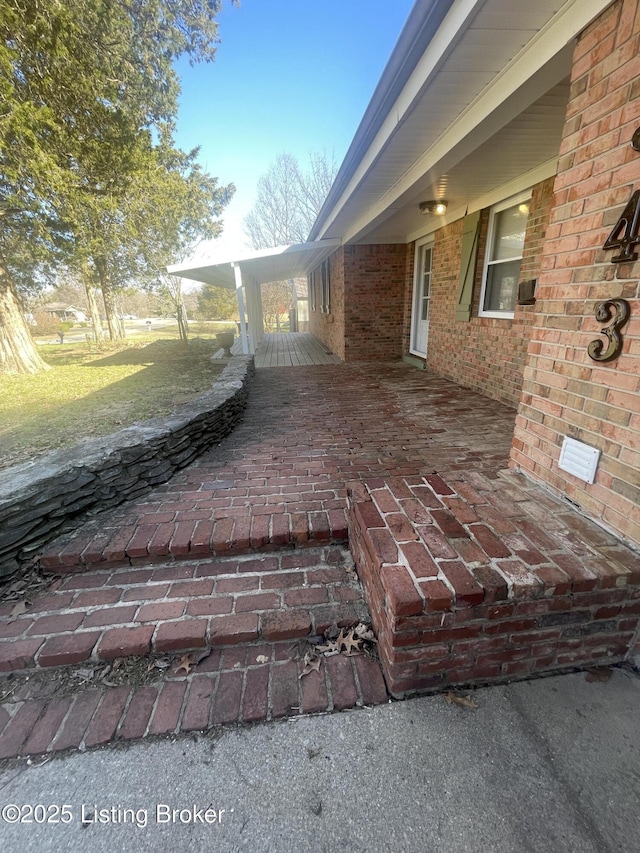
88 393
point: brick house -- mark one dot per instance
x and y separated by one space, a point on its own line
520 117
464 231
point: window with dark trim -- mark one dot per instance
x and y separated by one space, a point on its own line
326 287
311 284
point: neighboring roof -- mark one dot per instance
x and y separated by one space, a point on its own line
278 264
471 104
61 306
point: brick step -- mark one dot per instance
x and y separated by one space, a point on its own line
479 580
235 684
131 541
177 607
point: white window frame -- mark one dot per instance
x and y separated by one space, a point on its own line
498 208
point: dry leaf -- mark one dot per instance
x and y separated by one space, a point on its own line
328 649
85 674
348 642
312 665
185 663
460 701
188 661
18 609
365 633
598 674
333 632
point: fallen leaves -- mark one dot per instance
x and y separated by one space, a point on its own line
311 664
30 584
595 674
18 609
337 641
460 701
188 661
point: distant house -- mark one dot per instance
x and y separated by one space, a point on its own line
65 311
485 224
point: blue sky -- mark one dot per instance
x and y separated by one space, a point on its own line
289 75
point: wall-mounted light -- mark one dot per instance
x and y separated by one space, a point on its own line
433 206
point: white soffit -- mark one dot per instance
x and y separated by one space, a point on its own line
276 264
488 62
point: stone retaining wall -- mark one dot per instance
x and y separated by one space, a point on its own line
40 499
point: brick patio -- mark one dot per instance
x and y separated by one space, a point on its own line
279 479
244 553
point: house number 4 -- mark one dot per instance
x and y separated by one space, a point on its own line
624 235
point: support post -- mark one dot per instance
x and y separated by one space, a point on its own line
243 326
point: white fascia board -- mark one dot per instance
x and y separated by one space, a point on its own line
547 44
456 20
518 185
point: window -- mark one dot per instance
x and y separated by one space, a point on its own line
311 284
505 241
326 287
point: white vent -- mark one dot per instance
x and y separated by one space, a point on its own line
579 459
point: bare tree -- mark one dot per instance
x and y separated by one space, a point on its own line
289 200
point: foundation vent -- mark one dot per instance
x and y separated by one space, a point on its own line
579 459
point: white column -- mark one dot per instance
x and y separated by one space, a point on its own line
254 311
243 326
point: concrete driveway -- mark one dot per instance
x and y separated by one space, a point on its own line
548 765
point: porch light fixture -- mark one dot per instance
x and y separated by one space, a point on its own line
433 206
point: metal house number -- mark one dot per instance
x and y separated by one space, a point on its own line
619 311
624 236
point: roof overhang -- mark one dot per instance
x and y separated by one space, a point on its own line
277 264
475 109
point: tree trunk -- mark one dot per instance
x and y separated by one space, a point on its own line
94 312
114 323
18 352
181 311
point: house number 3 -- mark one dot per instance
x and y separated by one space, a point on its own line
618 311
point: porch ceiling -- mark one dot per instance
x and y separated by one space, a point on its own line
483 106
276 264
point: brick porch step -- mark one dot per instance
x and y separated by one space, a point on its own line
106 613
236 684
123 540
478 580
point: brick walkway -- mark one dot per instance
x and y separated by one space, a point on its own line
241 553
279 479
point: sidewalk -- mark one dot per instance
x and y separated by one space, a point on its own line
540 767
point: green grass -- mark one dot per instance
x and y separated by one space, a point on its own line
89 393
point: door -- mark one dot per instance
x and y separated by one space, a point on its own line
421 299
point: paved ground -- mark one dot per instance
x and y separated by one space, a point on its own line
279 478
542 766
158 576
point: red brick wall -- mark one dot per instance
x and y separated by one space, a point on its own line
565 392
375 278
485 354
329 328
368 285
